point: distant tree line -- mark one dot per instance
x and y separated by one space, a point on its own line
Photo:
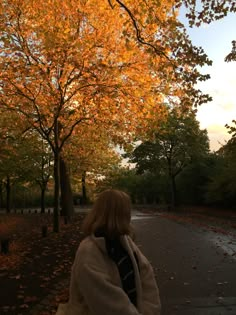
169 166
176 167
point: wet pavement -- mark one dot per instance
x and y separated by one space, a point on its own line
195 267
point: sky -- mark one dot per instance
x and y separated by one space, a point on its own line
216 40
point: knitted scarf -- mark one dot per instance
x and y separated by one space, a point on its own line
125 267
124 264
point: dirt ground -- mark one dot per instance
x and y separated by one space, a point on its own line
35 264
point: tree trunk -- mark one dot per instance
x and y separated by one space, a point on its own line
84 192
56 181
66 191
173 193
42 201
172 186
8 197
1 195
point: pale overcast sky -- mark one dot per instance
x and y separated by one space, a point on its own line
216 41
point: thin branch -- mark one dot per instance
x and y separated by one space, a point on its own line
138 32
111 5
75 77
70 132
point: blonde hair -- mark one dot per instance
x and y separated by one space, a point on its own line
111 213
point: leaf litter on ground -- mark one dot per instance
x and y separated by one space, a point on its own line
35 264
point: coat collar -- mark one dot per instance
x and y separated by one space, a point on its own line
101 243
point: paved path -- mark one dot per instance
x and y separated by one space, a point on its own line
196 269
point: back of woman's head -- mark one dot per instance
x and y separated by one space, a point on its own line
111 213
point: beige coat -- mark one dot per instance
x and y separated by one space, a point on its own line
95 286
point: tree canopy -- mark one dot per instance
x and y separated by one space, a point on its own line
75 71
176 144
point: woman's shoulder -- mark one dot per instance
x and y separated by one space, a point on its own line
91 246
90 253
85 252
86 245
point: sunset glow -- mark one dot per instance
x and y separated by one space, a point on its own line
216 39
222 110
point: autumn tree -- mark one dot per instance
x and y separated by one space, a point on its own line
229 58
202 11
173 147
90 155
25 158
64 64
179 71
9 154
221 186
145 188
193 181
221 189
35 163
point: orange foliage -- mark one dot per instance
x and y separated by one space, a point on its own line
76 61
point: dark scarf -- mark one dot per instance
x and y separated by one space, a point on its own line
124 264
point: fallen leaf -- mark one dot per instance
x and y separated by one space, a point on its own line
24 306
29 299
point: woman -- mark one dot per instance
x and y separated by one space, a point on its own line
110 275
